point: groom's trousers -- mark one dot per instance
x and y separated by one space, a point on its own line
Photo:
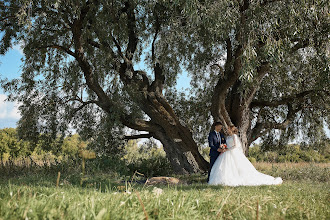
212 161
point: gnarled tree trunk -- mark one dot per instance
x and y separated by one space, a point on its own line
181 149
183 154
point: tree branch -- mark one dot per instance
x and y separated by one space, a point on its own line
119 50
157 29
127 65
144 83
283 101
91 80
137 124
158 84
81 107
221 71
138 136
232 69
79 99
218 108
245 6
94 43
282 125
300 45
5 18
59 47
106 47
262 70
263 127
229 55
264 3
131 24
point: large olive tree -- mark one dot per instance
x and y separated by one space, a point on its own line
83 60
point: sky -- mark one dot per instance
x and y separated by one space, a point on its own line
9 68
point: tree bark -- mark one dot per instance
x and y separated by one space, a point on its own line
183 154
180 147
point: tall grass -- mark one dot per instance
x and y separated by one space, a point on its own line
301 196
288 201
319 172
50 164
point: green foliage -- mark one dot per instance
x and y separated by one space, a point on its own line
10 144
20 157
288 35
52 88
291 153
148 159
70 145
109 164
104 136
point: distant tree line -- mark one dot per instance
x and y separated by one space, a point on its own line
146 155
11 146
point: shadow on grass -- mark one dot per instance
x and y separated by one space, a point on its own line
104 182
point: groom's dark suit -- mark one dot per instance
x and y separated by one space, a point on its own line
214 144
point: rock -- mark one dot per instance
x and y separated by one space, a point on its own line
162 180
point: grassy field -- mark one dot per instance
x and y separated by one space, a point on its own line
303 195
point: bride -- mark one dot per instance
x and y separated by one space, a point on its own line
232 168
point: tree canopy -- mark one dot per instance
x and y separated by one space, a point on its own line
261 65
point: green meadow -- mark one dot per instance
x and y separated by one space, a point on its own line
303 195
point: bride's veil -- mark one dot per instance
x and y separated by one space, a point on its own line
238 142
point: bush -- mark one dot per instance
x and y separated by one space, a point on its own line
108 164
154 166
252 159
289 153
290 157
312 156
271 156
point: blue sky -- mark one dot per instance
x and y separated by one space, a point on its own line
9 68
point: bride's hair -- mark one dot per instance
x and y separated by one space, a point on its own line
233 129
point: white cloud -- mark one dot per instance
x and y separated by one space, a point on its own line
8 110
19 47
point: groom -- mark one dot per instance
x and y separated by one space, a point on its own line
216 139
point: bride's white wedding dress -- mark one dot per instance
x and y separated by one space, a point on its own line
232 168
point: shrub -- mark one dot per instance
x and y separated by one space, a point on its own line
289 153
154 166
252 159
107 163
271 156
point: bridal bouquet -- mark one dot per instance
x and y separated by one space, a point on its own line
223 146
